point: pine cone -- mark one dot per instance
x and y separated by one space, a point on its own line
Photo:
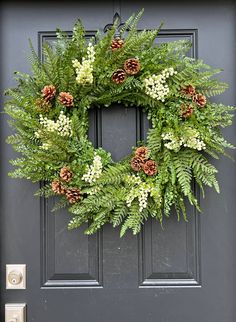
186 110
119 76
189 90
66 99
48 92
136 163
116 44
57 187
65 174
132 66
42 105
142 152
200 99
150 167
73 195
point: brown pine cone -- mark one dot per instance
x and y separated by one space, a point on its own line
73 195
57 187
116 44
119 76
186 110
150 167
132 66
42 105
142 152
189 90
136 163
65 174
200 99
66 99
48 92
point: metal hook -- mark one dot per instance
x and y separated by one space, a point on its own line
108 27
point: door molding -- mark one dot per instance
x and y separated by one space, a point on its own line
149 276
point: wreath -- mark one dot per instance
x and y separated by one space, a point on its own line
49 115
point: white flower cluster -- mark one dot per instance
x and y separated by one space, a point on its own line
72 222
84 70
133 179
94 171
190 139
143 196
62 126
155 85
172 141
140 191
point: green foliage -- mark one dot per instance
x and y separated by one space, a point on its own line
179 145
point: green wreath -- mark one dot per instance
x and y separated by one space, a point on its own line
49 114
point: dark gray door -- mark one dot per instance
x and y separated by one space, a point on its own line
185 273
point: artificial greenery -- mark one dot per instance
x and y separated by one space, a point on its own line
49 116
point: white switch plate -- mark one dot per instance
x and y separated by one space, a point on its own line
19 268
15 312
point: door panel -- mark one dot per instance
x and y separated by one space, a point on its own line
182 273
68 259
163 263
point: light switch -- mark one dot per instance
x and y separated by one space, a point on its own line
15 312
15 276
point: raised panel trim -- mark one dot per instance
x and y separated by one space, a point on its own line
150 279
147 278
51 35
50 279
98 125
192 34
